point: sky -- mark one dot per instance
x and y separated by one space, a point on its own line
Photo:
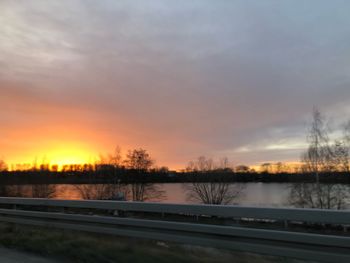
181 78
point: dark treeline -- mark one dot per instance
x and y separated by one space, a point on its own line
126 176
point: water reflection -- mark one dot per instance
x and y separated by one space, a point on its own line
255 194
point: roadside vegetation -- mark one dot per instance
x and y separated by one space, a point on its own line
68 246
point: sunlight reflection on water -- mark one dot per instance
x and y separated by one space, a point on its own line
255 194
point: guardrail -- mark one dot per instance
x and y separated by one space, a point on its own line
302 245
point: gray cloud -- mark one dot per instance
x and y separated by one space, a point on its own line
182 78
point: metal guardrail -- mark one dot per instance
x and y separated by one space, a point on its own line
309 246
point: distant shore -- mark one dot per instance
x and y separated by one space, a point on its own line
131 176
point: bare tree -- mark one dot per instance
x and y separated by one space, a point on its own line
280 167
321 158
16 190
266 168
116 158
218 193
325 196
346 144
242 169
3 166
4 189
317 155
95 191
224 163
340 156
114 190
43 191
139 161
215 192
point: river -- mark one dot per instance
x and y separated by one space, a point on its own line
253 194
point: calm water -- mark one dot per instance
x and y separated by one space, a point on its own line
254 194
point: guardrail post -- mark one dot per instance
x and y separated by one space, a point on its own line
285 223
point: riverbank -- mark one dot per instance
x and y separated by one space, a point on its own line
125 176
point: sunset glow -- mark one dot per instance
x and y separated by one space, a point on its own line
68 155
65 153
180 79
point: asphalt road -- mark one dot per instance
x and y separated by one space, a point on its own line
14 256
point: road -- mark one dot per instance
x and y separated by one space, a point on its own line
14 256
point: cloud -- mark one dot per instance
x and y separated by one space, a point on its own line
180 78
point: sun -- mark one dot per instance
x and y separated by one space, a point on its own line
69 154
56 155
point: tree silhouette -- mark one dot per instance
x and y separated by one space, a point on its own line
242 169
43 191
215 192
139 161
321 158
3 166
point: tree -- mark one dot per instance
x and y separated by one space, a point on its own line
139 161
4 191
116 158
43 191
321 158
340 157
346 144
215 192
280 167
3 166
98 191
242 169
224 163
318 153
266 168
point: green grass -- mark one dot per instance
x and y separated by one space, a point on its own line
75 246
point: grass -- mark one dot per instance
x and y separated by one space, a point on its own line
75 246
